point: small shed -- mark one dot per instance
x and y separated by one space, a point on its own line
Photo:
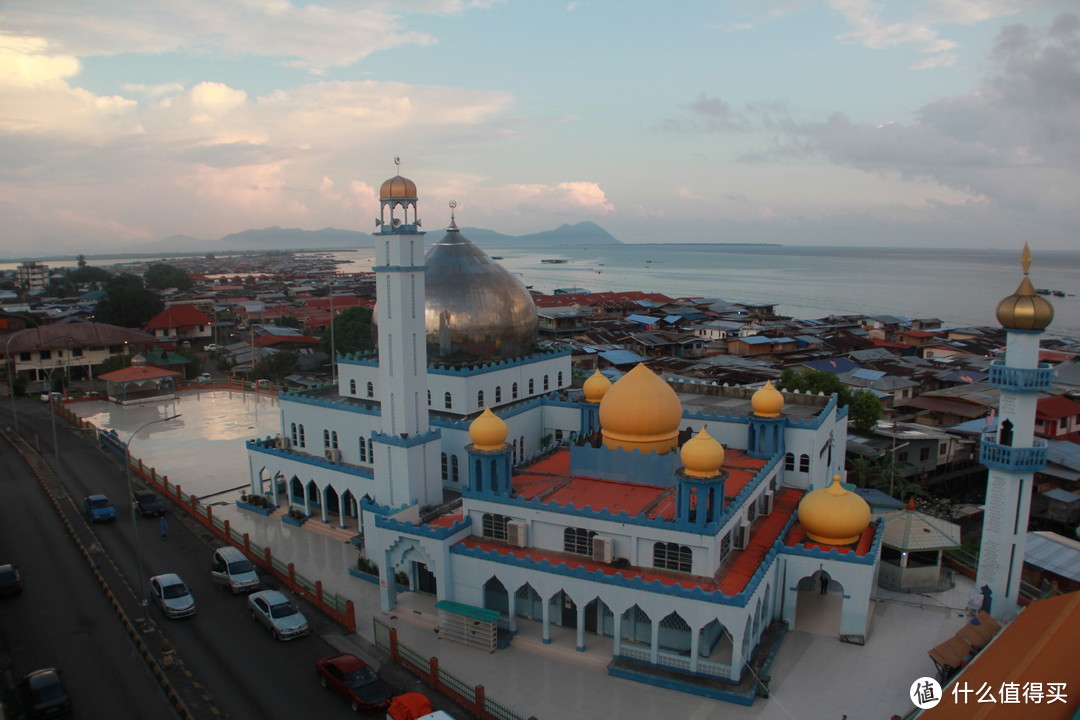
139 384
911 551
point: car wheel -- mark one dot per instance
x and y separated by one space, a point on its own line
322 681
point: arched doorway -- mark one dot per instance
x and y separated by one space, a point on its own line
495 596
818 604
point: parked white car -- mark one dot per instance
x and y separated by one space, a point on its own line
277 613
172 595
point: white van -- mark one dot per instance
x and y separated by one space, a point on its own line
232 569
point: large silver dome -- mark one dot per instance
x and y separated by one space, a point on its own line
476 310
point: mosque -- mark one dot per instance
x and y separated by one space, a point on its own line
677 520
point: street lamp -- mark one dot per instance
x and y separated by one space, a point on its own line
134 520
11 380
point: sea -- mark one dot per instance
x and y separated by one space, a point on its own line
958 286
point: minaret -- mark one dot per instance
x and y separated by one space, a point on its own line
1013 454
407 455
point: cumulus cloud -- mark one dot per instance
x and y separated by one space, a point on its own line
315 36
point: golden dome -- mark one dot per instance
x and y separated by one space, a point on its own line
768 401
398 188
641 411
596 387
834 515
702 455
488 431
1025 309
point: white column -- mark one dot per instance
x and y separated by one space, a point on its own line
695 645
654 649
580 628
617 627
545 612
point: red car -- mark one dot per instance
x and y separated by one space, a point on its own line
351 678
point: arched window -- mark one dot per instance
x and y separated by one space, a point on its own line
532 386
804 463
578 541
303 440
295 439
454 468
546 383
370 452
371 390
326 438
789 461
480 398
448 401
429 398
672 556
560 379
494 526
363 450
498 393
333 439
352 387
513 391
445 469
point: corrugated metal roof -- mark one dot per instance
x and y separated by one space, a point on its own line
912 531
1053 553
1062 495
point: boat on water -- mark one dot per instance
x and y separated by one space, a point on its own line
496 257
1043 291
553 261
1059 293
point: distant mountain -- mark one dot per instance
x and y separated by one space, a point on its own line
278 238
582 233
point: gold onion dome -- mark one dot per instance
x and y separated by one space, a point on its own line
488 431
834 515
702 455
641 411
596 387
1025 309
768 401
398 187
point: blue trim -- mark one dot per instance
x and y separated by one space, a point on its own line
1023 332
405 442
641 676
362 406
1013 459
255 508
266 446
870 558
290 520
1039 379
398 268
483 368
374 579
388 523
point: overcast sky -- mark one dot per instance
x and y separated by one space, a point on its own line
847 122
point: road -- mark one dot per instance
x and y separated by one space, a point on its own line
245 671
62 618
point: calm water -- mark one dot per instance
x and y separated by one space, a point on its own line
961 287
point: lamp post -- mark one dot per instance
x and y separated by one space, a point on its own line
134 520
11 380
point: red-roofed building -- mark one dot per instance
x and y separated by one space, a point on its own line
1056 416
179 323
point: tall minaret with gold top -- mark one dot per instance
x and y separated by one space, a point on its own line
1011 452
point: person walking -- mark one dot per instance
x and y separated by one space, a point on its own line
824 582
164 525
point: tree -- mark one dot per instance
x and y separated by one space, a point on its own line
89 274
81 260
352 332
864 410
161 276
289 321
277 365
127 302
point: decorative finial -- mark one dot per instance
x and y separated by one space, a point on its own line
453 205
397 161
1025 259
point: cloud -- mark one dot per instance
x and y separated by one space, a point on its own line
314 36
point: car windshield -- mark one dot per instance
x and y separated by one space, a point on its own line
361 678
146 499
99 503
284 609
240 566
174 591
48 688
7 573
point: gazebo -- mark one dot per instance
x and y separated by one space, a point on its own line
911 549
139 384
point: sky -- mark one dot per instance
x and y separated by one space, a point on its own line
936 123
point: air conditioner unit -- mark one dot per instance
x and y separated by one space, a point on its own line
740 536
517 533
332 454
282 443
603 549
766 503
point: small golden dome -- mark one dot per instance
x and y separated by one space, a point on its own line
1025 309
398 188
768 401
702 455
641 411
488 431
596 387
834 515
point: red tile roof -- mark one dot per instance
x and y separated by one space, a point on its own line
135 374
177 316
1055 408
447 520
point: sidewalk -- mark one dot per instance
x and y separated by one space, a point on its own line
814 675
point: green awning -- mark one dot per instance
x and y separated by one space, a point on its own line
469 611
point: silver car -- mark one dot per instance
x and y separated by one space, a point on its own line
172 595
277 613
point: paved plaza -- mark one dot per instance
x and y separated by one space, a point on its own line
813 676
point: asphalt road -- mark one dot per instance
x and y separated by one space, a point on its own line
245 671
62 618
